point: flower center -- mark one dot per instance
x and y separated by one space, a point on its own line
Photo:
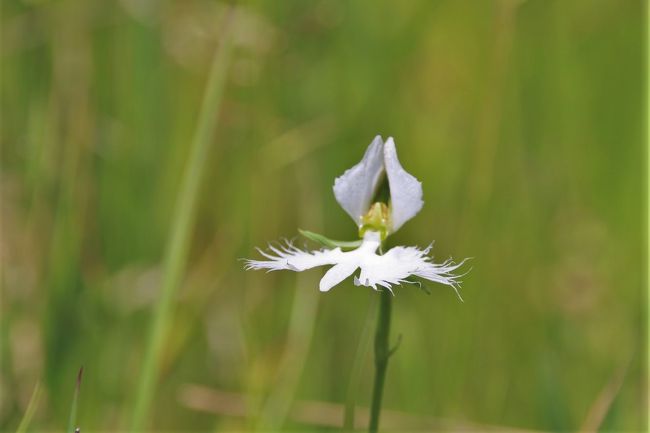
377 219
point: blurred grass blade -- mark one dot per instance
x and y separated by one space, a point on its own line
647 202
301 328
184 212
277 407
75 399
31 409
602 405
357 366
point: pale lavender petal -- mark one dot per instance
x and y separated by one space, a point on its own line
355 189
405 190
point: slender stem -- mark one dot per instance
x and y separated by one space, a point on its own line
382 353
357 366
178 246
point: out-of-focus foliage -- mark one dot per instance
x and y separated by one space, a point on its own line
523 120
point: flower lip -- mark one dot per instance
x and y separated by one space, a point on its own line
385 271
355 189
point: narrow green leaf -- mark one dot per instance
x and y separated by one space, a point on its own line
329 242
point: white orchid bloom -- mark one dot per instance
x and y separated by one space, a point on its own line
355 191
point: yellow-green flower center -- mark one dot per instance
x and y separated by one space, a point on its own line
377 219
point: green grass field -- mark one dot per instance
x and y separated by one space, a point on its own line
523 119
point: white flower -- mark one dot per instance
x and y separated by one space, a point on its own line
355 191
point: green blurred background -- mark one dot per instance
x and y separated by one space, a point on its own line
523 119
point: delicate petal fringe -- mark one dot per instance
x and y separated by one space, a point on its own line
388 270
287 256
443 273
394 267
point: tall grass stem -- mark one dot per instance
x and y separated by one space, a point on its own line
184 215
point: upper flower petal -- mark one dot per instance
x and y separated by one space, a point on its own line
355 189
405 190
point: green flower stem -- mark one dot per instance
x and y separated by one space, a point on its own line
178 246
382 354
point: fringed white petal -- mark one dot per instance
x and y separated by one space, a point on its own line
405 190
388 270
289 257
394 267
355 189
442 273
